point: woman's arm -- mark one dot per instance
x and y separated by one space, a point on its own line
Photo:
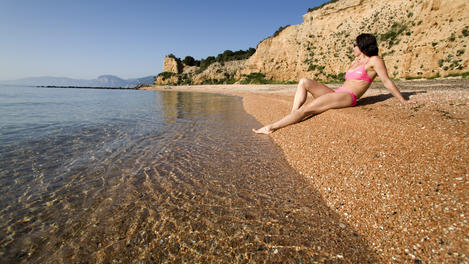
382 72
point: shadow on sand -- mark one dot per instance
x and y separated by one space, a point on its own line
383 97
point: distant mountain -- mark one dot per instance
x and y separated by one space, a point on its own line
101 81
143 80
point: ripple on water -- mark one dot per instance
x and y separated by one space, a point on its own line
199 188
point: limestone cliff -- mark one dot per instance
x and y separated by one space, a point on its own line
171 68
417 38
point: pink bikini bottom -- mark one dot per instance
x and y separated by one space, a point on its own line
354 97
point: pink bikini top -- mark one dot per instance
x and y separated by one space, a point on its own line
358 74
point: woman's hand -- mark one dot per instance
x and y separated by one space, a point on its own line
382 72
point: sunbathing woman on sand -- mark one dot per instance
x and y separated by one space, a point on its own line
358 78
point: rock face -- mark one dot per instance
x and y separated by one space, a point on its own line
417 38
171 64
171 68
218 71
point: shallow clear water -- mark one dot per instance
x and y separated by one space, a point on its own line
115 175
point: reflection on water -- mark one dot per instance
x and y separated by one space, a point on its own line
184 181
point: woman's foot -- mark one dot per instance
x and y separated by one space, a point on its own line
263 130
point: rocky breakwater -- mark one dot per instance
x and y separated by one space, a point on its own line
417 39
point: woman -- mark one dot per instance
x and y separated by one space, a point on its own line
363 70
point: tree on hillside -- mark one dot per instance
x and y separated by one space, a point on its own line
243 54
204 63
225 56
189 61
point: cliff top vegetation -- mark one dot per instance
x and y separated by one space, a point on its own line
226 56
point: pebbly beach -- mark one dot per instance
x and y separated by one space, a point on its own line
396 173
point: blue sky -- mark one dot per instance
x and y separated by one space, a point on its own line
85 39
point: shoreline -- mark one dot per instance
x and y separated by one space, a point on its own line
403 85
86 87
396 173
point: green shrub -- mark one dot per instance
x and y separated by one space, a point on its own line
219 81
460 52
339 77
280 29
312 67
440 63
210 81
227 55
184 79
321 6
204 63
166 75
230 81
434 44
255 78
465 31
393 33
387 53
462 74
189 61
413 77
452 37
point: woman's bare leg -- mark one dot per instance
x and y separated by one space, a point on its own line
305 85
318 105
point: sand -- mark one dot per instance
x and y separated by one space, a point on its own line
397 173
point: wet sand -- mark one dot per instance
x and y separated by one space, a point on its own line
397 174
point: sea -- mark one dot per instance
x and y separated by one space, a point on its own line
131 176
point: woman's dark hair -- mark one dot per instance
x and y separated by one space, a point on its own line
367 44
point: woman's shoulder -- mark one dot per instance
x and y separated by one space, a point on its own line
375 60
